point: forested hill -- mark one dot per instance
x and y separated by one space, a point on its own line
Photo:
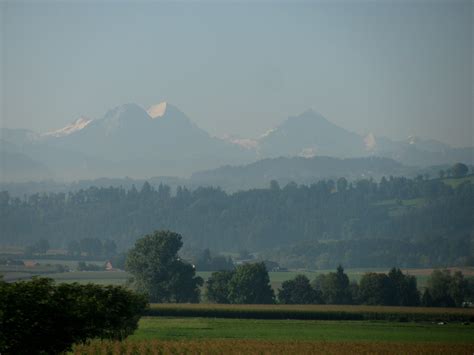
243 177
398 221
300 170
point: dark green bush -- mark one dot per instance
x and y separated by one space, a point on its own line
39 317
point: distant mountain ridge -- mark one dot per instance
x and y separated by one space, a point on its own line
126 141
161 140
310 134
307 135
299 170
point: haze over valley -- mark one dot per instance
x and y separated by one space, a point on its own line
236 177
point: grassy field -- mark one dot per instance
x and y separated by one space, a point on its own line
161 335
72 264
20 272
97 277
276 278
455 182
398 207
260 329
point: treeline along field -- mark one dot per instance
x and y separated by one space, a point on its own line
398 221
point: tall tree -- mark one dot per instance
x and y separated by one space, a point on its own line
447 290
334 287
217 286
375 289
298 291
404 288
459 170
158 270
251 284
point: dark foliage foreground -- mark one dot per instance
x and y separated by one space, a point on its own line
39 317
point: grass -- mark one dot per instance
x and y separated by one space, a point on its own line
102 281
414 202
96 277
163 328
67 262
41 269
455 182
21 272
398 207
165 335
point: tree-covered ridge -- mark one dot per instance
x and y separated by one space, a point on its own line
397 221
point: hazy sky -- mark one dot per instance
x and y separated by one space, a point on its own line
395 68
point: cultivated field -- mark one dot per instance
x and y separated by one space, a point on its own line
177 328
314 312
251 347
165 335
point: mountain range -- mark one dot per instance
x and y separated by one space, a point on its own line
162 141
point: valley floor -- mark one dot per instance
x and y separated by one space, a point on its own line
163 335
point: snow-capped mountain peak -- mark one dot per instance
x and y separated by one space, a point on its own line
370 142
247 143
75 126
157 110
412 139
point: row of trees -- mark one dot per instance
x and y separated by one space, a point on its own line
41 246
158 271
448 290
250 284
400 211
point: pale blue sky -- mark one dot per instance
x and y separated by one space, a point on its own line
395 68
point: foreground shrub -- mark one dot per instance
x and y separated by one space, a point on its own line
38 316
